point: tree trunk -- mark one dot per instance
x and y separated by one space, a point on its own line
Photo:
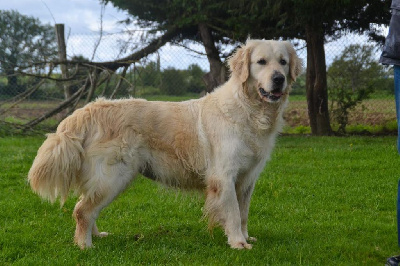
316 82
217 74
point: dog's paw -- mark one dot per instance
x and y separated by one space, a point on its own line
251 239
84 246
102 234
241 245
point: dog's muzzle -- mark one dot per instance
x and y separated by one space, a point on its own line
278 80
272 96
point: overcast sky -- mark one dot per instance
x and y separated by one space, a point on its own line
81 16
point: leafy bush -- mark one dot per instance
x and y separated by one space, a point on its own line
173 82
195 79
352 77
299 87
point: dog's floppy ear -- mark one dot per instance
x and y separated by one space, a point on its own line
239 63
295 64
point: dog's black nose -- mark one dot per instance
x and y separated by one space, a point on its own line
278 78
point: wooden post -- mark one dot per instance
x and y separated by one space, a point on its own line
62 57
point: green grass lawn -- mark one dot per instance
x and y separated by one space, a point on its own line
320 201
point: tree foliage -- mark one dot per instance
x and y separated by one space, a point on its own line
237 20
194 79
23 42
186 15
150 79
353 76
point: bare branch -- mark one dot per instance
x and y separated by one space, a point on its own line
93 85
107 78
25 94
189 49
152 47
49 11
22 96
92 81
59 108
103 6
121 79
108 73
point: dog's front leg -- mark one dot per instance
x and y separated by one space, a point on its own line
222 207
244 195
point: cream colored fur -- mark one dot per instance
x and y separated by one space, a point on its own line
219 143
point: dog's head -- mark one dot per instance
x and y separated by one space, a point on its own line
266 67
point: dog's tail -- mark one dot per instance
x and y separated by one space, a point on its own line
55 169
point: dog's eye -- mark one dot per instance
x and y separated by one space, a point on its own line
283 62
262 62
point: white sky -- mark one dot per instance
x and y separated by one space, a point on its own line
82 26
81 16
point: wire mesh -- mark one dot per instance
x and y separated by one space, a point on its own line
172 73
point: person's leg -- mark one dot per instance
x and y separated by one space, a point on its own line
395 260
397 98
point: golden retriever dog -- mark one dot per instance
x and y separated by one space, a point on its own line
219 144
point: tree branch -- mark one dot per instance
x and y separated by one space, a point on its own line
152 47
22 96
121 79
93 81
59 108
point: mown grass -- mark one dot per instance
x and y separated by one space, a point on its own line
320 201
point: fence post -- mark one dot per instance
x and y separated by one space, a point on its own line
62 57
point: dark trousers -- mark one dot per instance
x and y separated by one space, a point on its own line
397 98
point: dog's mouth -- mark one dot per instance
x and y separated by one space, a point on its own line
272 96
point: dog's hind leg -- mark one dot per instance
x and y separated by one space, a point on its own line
95 231
85 216
88 208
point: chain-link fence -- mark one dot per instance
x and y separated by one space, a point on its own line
175 72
